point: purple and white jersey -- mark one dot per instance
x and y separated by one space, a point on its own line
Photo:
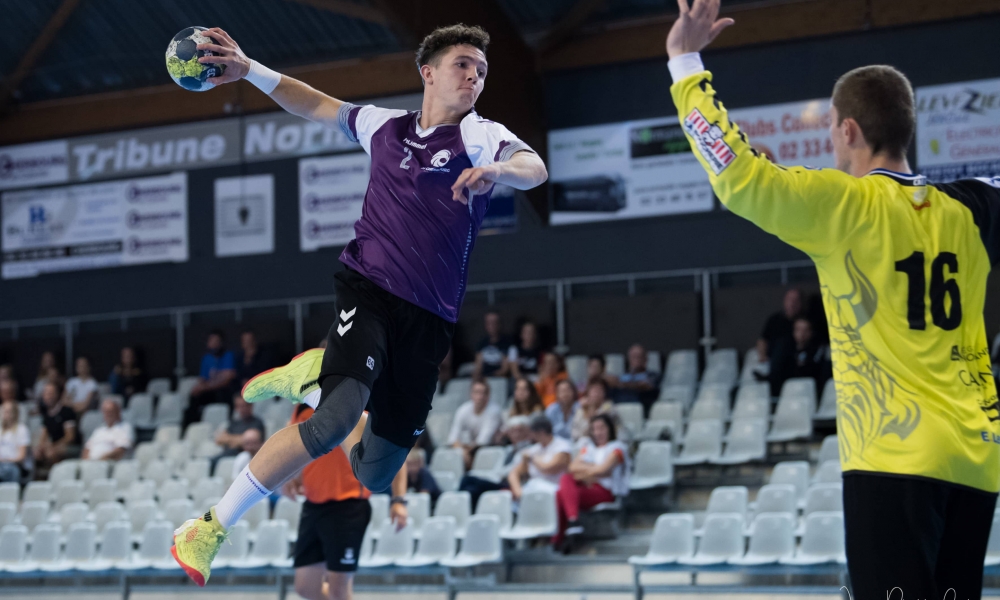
413 240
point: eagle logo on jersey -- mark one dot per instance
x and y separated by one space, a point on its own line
870 402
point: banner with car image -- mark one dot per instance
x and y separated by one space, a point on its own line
95 225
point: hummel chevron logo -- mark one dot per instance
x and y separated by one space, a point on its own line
344 316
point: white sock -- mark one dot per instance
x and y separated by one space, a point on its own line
240 497
312 398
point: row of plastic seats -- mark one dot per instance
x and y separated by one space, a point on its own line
772 540
437 544
487 463
775 498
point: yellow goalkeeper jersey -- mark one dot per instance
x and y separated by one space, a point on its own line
902 267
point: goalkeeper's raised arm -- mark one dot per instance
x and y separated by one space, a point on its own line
291 94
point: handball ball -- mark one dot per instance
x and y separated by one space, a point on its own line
182 60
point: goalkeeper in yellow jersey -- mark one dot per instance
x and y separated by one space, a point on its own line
902 266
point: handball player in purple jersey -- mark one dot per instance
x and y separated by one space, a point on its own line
432 173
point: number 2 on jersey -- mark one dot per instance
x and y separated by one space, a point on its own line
916 309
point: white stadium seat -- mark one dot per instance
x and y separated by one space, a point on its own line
672 539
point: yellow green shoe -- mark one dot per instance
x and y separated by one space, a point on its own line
293 381
196 543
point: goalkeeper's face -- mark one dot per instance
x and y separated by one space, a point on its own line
456 78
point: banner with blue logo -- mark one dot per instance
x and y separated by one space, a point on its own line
95 225
958 130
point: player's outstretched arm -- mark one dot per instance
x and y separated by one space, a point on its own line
291 94
523 171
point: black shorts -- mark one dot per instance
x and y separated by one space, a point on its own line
394 347
332 532
921 535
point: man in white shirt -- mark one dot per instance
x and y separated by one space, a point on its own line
543 463
82 390
113 439
475 423
252 440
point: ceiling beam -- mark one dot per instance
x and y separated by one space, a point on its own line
569 24
347 9
385 75
35 51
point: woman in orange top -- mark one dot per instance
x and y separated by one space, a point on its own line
552 371
334 517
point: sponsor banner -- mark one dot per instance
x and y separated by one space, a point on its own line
501 216
646 168
331 193
132 221
244 215
33 164
958 130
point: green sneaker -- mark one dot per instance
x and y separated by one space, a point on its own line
293 381
196 543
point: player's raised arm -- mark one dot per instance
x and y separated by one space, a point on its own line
291 94
810 209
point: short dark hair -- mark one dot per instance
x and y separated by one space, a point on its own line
541 423
599 358
481 382
598 382
880 99
442 38
218 332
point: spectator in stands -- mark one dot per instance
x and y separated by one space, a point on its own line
81 392
778 328
596 370
516 436
215 379
251 360
526 400
113 439
419 477
250 443
46 366
230 435
597 475
542 464
127 377
637 384
7 372
475 422
552 371
804 356
8 391
491 354
560 413
14 443
524 356
594 402
59 438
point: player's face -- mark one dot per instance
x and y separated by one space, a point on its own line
458 77
839 139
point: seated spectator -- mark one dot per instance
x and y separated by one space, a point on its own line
637 384
526 401
594 402
491 354
8 391
560 413
250 443
127 377
81 391
515 436
596 370
475 423
14 443
804 356
552 371
7 372
59 433
230 435
524 356
778 328
419 477
215 379
45 367
114 438
251 360
543 463
597 475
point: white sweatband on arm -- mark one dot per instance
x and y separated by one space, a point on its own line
265 79
685 65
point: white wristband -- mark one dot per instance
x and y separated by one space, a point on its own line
685 65
265 79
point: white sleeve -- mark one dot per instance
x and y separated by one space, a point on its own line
491 422
359 123
512 353
22 437
456 424
488 142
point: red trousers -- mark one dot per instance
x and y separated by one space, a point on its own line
574 496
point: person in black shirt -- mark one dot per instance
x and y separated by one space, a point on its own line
778 328
127 377
525 356
231 436
251 359
804 356
58 440
419 477
491 354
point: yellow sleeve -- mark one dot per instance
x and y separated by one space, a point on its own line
814 210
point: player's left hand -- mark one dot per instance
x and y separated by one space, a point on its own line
398 514
477 180
696 26
228 53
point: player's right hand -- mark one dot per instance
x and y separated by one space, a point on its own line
229 54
